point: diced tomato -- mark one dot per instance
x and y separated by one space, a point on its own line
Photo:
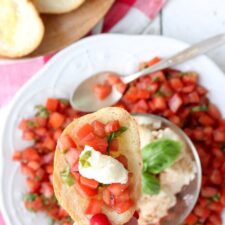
40 174
141 106
98 128
23 125
153 87
94 207
99 144
188 89
41 131
84 131
175 103
123 206
17 155
33 165
114 146
48 158
215 219
219 136
214 112
123 197
190 78
99 219
72 156
27 171
62 213
49 143
28 135
123 159
66 142
159 103
136 215
49 168
206 120
202 212
85 191
191 219
116 189
34 205
40 121
208 191
143 94
89 182
216 206
102 90
166 90
176 84
131 94
32 185
154 61
158 76
47 189
52 104
57 134
216 177
112 126
192 97
56 120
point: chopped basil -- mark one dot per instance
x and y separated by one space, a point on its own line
155 79
31 123
159 93
116 134
30 197
215 198
84 159
160 154
42 111
150 184
66 176
199 108
64 101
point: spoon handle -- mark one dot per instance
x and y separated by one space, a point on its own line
188 53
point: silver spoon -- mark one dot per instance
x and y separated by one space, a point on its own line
84 99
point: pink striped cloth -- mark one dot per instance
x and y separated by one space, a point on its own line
126 16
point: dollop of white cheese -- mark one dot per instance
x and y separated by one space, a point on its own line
102 168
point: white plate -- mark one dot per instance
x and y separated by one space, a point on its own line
61 75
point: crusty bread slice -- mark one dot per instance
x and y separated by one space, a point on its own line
57 6
129 145
21 29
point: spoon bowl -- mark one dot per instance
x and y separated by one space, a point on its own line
84 99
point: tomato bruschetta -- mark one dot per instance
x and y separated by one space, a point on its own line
97 167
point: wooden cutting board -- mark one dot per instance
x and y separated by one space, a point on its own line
64 29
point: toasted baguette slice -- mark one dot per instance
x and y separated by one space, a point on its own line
57 6
129 145
21 29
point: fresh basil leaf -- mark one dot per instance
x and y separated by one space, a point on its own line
30 197
150 184
42 111
84 159
160 154
116 134
66 176
199 108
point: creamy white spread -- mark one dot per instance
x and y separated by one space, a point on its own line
102 168
172 179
